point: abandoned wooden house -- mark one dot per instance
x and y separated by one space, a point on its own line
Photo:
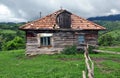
54 32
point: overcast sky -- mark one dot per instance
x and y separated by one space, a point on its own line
26 10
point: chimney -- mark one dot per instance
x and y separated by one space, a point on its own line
40 14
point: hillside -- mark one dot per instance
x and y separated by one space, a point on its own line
115 33
109 25
111 36
10 36
106 18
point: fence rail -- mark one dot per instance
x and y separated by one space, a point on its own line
89 65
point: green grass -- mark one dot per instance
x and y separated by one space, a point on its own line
106 65
14 64
7 31
106 48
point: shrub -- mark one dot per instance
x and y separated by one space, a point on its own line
81 51
16 43
91 48
106 40
69 50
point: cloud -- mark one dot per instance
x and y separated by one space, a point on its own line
7 16
30 9
113 11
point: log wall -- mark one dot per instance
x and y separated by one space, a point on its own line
59 41
63 39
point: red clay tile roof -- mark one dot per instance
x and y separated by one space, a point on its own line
49 22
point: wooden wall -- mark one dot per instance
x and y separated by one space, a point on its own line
60 40
64 20
63 39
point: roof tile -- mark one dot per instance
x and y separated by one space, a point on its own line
49 21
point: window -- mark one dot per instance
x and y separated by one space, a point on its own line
45 41
81 39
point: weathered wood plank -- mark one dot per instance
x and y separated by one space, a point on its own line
61 39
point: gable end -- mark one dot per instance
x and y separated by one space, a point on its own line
63 20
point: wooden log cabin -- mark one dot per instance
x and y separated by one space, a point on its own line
54 32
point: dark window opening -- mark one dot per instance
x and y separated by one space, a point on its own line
45 41
30 34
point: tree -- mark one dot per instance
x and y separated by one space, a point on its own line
106 40
16 43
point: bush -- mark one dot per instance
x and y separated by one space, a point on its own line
106 40
16 43
69 50
81 51
91 48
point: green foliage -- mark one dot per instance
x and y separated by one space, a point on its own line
91 48
106 40
110 38
20 33
10 26
16 43
8 39
2 41
70 50
112 31
109 25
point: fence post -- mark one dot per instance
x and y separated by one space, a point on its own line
84 74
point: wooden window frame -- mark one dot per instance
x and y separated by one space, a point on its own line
81 39
46 41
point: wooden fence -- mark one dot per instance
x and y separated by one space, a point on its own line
89 73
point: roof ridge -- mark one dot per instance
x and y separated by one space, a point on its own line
48 22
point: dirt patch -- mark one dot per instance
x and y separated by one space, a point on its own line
25 57
98 60
114 59
70 59
103 68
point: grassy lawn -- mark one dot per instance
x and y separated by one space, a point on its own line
114 49
14 64
7 31
106 65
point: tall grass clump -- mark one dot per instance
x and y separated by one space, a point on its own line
91 48
70 50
